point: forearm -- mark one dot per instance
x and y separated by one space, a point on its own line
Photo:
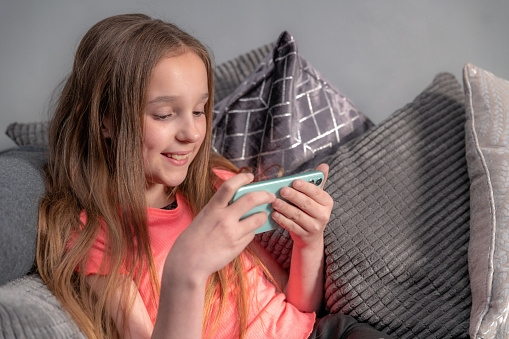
213 239
181 306
305 284
305 215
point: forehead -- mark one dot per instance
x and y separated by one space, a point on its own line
181 75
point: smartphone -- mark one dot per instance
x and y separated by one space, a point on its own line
274 186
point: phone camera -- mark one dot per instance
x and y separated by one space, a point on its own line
318 182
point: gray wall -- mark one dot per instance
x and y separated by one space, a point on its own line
379 53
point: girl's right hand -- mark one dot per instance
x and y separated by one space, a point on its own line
216 236
210 242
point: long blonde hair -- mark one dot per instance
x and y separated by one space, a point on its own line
104 177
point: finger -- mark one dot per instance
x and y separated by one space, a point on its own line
305 195
291 225
253 222
244 233
250 200
292 218
226 191
324 168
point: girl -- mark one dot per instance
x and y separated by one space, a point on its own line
136 237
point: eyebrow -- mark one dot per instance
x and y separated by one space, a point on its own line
171 98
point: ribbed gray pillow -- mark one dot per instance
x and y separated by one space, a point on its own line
397 241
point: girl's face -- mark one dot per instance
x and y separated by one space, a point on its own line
174 122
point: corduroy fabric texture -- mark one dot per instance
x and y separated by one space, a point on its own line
397 241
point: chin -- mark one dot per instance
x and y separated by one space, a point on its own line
175 181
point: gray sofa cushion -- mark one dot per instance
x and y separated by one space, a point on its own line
22 184
487 131
29 310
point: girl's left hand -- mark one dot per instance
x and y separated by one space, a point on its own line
306 220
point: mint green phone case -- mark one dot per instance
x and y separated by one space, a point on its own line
274 186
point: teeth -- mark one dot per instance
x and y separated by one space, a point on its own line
177 156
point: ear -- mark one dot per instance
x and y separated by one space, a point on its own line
106 128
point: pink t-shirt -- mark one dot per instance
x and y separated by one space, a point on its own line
270 315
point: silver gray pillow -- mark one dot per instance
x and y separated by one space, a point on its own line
487 140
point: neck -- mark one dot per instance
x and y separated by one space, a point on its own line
157 196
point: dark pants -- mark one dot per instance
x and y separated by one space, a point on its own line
340 326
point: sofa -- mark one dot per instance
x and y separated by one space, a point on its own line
418 238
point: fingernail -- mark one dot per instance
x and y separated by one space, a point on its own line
297 183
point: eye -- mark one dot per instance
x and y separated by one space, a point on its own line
162 117
198 113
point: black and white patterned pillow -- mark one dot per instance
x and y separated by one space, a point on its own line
284 114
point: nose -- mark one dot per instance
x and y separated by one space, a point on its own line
188 130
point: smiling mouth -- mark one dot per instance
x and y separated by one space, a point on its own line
176 156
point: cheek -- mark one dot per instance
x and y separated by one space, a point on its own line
151 142
154 134
148 143
202 126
